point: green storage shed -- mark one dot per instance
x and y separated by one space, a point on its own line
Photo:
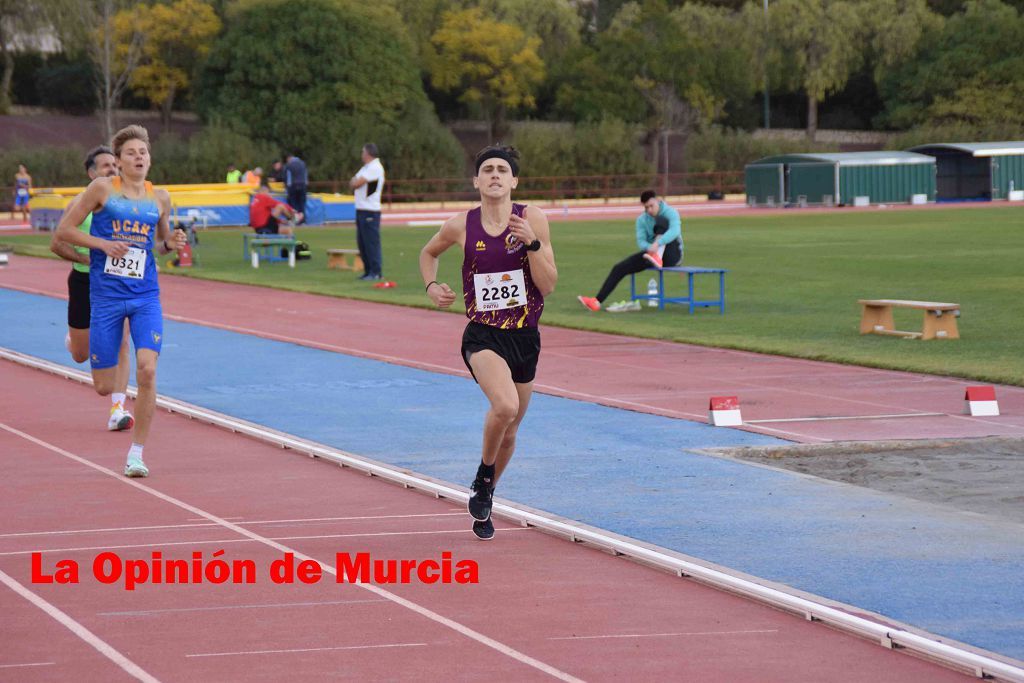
977 170
833 179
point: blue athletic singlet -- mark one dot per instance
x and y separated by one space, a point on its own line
125 220
21 191
126 287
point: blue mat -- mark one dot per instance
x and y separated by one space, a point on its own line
951 573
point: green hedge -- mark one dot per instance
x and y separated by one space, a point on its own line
724 149
955 133
608 147
201 159
48 166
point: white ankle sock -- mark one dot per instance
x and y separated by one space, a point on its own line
117 398
135 452
661 251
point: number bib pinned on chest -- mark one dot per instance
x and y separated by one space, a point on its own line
132 265
498 291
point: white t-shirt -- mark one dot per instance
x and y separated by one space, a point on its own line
368 195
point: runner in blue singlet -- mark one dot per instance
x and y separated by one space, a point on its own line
22 191
129 227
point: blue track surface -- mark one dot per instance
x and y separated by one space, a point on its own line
952 573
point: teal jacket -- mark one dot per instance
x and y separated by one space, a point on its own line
645 228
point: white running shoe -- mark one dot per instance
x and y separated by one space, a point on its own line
623 307
120 419
136 469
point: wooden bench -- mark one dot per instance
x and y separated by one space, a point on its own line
269 245
939 318
338 259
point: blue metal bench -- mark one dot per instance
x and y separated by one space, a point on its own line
267 250
688 300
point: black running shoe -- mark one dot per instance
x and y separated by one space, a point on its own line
480 502
484 530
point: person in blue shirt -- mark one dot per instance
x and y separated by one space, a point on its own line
130 226
659 236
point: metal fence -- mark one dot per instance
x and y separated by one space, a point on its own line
552 188
547 188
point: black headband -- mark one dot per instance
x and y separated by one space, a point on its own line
497 154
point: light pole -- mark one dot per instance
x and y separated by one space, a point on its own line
764 65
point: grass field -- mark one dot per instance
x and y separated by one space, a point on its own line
792 288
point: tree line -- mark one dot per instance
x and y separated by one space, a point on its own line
324 76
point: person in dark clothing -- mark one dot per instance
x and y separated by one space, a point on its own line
277 171
295 182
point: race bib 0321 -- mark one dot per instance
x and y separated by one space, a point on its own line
131 265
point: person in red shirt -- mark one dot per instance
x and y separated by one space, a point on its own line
266 213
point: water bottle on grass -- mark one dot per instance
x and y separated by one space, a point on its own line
652 290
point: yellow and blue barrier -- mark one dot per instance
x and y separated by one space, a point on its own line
214 204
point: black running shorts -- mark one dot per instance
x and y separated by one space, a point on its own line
519 348
78 300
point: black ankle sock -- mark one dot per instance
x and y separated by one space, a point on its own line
485 472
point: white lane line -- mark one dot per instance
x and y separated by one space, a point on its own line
101 646
225 541
496 645
211 524
305 649
18 666
667 635
64 532
354 518
148 612
843 417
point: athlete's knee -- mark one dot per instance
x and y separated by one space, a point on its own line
145 372
79 355
104 386
505 410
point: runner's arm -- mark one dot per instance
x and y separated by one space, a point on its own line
92 199
65 250
534 225
167 242
451 233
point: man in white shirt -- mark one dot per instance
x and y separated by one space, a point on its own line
368 184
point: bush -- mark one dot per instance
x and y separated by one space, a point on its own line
201 159
608 147
923 135
48 166
205 156
723 149
67 87
336 74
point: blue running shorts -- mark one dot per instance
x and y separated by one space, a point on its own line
145 320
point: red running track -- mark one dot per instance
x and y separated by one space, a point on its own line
676 381
544 609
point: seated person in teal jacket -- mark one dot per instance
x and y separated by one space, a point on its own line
660 238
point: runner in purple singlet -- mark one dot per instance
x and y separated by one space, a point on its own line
507 270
